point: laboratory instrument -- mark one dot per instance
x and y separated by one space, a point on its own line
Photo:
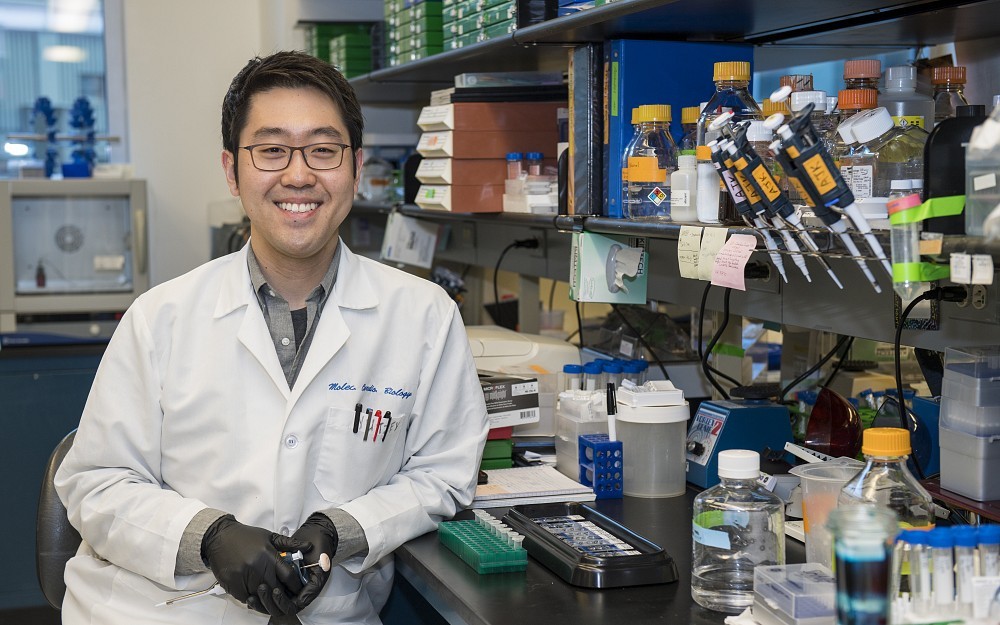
737 525
589 549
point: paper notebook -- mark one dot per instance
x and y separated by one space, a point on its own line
527 485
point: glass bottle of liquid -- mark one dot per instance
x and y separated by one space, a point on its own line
903 101
890 152
689 124
862 74
798 82
850 103
760 138
732 93
824 124
651 160
628 150
737 525
904 236
887 481
949 91
684 189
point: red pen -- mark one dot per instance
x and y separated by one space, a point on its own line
378 422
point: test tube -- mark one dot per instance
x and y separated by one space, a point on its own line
896 566
964 537
632 371
514 165
613 373
989 550
572 377
920 572
533 160
643 370
592 372
940 543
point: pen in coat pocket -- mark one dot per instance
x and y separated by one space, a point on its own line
368 423
357 417
388 421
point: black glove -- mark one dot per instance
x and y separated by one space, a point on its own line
317 536
245 560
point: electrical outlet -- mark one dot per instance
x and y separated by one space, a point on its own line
978 296
540 251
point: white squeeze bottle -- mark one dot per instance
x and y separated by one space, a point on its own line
684 189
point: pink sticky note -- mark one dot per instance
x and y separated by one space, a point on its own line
727 270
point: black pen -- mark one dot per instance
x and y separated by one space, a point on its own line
357 417
368 423
388 420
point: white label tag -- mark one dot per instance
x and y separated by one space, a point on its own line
961 268
986 181
982 269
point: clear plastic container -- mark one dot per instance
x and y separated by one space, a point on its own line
737 525
533 163
887 481
982 173
689 128
709 193
902 100
684 189
578 412
863 74
851 102
795 593
515 165
904 238
825 125
821 485
651 159
862 542
885 153
949 91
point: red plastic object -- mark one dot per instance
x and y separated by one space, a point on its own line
834 427
500 433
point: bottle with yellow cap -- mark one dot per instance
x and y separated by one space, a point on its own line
651 158
887 481
689 128
732 93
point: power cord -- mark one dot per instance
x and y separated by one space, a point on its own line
944 294
840 363
530 244
703 354
836 348
579 323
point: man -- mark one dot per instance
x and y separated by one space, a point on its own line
291 396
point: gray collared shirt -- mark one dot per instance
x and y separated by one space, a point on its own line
279 318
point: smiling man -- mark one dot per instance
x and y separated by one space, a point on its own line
292 396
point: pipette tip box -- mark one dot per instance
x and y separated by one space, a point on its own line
794 594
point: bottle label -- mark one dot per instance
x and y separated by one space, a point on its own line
657 196
860 179
709 537
911 120
645 169
680 197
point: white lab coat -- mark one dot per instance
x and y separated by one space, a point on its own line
190 409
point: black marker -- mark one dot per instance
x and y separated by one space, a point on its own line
357 417
368 423
388 420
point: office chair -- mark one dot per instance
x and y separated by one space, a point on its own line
56 541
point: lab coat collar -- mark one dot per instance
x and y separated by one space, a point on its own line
353 288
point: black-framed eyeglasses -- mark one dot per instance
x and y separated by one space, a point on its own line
275 157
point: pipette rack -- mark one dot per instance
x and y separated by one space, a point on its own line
484 543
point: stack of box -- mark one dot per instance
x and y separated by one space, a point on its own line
464 146
970 422
569 7
471 21
414 30
347 45
351 53
510 400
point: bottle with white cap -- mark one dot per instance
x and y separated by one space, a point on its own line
903 101
737 525
684 189
760 138
824 124
890 152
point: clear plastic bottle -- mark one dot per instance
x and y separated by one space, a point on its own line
850 103
533 163
862 74
982 173
710 188
949 91
964 537
689 126
760 138
651 159
902 100
684 189
891 152
887 481
572 376
989 550
904 236
737 525
943 565
515 165
824 124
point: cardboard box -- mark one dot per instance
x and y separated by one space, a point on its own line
510 399
491 116
473 198
592 269
485 144
450 170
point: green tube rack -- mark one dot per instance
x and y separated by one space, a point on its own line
484 543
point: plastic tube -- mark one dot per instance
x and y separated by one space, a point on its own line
896 564
572 377
989 550
592 373
964 537
920 571
940 542
613 373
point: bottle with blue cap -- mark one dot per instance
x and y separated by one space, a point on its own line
920 570
964 537
593 374
533 163
989 550
940 542
572 376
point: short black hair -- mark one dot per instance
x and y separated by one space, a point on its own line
288 69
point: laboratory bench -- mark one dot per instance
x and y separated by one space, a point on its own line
538 596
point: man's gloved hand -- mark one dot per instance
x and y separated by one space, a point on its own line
245 560
316 537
